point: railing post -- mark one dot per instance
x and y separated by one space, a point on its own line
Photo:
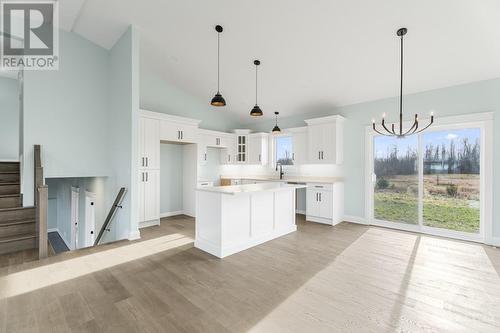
42 196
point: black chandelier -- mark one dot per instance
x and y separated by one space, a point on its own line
414 129
218 100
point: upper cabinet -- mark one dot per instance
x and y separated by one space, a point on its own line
325 140
299 143
258 145
178 132
228 153
149 143
214 139
242 145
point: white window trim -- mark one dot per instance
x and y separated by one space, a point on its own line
484 121
284 133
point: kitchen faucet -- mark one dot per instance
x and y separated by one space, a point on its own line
281 169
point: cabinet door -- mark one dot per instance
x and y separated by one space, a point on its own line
152 195
312 203
329 151
299 155
169 131
151 143
241 148
142 154
202 154
140 209
315 141
253 150
188 134
325 204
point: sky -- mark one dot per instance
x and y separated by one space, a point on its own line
382 144
283 143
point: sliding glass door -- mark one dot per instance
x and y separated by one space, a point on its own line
429 182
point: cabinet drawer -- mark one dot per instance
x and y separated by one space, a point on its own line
320 186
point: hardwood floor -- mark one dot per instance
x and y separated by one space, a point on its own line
348 278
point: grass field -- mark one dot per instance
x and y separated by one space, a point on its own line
460 211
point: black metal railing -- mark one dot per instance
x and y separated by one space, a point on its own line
111 214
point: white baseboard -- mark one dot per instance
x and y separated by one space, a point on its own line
300 211
53 230
495 241
134 235
178 212
355 219
151 223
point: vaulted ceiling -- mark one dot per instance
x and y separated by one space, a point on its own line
321 53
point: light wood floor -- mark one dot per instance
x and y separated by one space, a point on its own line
348 278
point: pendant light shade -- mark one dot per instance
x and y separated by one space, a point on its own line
256 111
218 100
276 129
396 130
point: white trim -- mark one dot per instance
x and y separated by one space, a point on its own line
53 230
324 120
169 117
300 211
134 235
355 219
151 223
174 213
8 161
484 122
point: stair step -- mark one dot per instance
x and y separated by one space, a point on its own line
17 214
9 177
17 243
15 228
9 166
10 188
10 201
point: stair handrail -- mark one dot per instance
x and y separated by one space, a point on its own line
41 200
116 204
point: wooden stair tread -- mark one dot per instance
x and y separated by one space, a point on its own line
16 208
9 183
9 172
9 195
16 222
15 238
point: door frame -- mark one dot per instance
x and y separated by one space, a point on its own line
75 218
483 121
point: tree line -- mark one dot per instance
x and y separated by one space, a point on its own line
440 158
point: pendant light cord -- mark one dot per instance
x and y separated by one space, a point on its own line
401 93
218 61
256 68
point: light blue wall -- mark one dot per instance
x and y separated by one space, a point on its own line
9 119
483 96
159 95
66 111
122 127
171 166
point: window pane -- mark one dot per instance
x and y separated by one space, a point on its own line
284 150
396 186
451 179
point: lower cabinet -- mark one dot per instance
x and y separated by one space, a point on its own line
149 197
324 203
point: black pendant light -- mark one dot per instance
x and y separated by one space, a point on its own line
414 129
218 100
276 129
256 111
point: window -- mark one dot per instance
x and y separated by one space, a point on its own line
284 150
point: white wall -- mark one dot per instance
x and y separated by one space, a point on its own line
9 119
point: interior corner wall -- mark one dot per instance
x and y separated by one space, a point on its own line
159 95
470 98
9 119
171 176
123 118
65 111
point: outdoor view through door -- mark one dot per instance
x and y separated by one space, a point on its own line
432 179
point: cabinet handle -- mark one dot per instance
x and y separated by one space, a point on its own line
260 158
317 197
142 161
320 197
205 156
182 135
142 176
229 158
147 161
317 186
147 176
293 156
319 155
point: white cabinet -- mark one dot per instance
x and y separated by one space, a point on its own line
299 144
149 143
258 148
149 196
324 203
228 154
214 139
178 132
202 154
325 140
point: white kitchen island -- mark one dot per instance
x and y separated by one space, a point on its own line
230 219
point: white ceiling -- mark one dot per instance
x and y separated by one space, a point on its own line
315 54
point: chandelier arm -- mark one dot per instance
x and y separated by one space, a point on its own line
423 129
415 123
385 127
376 130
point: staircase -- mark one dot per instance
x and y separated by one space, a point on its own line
17 223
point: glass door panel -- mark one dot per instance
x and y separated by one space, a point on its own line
396 186
451 179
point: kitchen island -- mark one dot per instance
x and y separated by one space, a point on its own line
230 219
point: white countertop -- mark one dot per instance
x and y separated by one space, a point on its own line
249 188
297 179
